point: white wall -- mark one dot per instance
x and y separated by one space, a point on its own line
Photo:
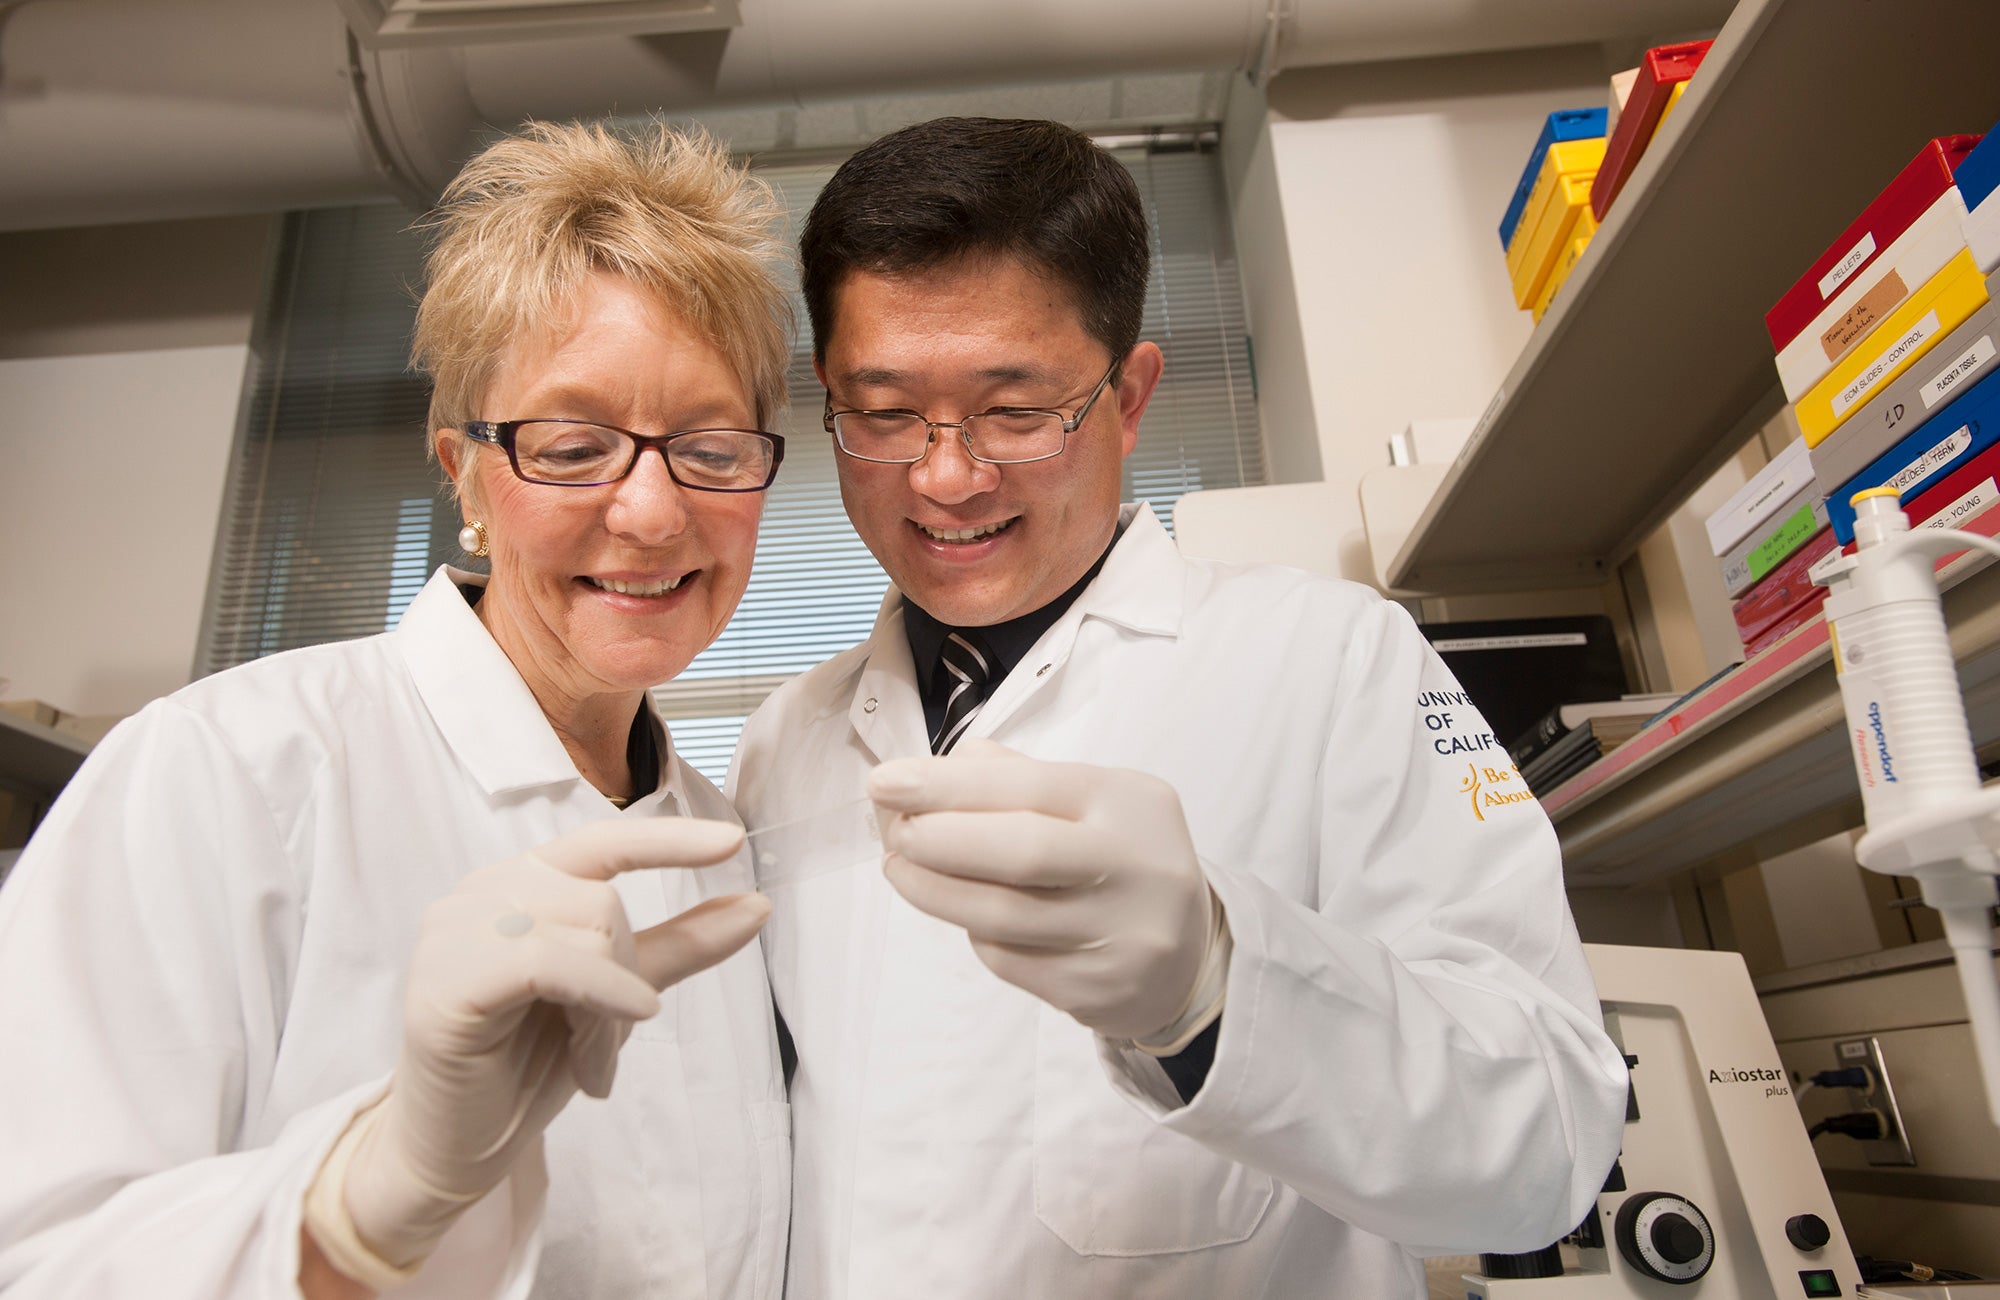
111 523
1819 903
1264 260
121 367
1367 203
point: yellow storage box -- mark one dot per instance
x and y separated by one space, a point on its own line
1547 222
1906 334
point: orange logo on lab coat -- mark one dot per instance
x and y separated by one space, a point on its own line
1487 788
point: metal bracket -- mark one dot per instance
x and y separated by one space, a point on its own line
1276 14
1894 1148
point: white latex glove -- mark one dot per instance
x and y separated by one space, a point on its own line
1076 883
524 983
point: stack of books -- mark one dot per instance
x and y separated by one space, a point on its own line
1570 737
1886 346
1548 224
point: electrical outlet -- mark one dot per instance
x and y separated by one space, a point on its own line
1894 1148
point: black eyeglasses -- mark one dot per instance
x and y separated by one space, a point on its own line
573 453
1005 435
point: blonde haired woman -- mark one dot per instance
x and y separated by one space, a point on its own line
302 974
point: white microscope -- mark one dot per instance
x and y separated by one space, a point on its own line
1717 1193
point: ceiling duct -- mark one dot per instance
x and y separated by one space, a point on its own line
392 24
129 110
145 110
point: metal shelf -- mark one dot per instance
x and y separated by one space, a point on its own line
37 757
1653 367
1759 760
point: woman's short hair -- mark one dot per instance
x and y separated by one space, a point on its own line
532 216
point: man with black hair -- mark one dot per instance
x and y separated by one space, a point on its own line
1271 984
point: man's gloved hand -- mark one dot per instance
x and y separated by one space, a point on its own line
1076 883
523 985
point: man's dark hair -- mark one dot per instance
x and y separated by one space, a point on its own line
932 194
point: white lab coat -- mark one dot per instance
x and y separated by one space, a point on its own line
1411 1051
201 961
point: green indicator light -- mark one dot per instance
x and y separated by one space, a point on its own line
1819 1282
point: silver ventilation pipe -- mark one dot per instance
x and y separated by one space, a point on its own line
129 110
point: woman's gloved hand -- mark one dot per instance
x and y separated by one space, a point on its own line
1076 883
525 982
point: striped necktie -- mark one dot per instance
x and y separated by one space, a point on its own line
970 664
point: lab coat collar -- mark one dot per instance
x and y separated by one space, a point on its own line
885 709
484 710
1143 586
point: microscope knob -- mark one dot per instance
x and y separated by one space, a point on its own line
1664 1237
1807 1231
1677 1240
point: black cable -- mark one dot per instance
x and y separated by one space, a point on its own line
1877 1271
1867 1125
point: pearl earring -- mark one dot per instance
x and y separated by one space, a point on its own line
472 539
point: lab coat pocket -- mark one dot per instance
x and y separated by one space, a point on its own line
1109 1180
771 1130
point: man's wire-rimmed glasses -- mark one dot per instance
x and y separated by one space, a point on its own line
1005 435
575 453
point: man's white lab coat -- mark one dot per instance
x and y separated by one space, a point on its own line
1411 1051
201 965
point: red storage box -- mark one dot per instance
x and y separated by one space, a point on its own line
1660 70
1894 210
1781 590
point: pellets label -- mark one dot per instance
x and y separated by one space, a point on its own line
1857 257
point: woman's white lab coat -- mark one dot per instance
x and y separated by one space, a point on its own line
1411 1050
201 961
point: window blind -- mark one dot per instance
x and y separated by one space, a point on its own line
334 515
1201 431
